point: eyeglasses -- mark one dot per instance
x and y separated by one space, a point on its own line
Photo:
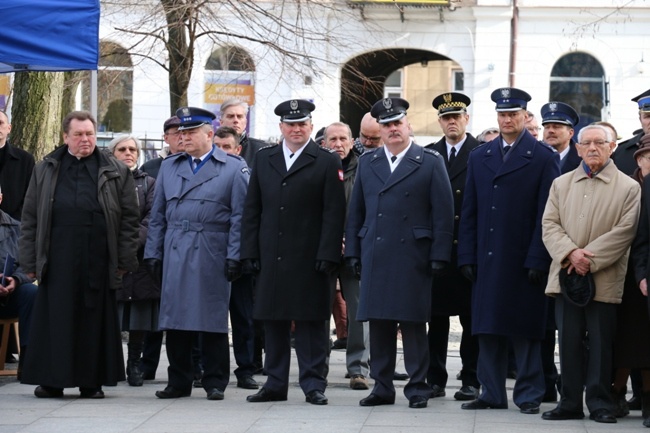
598 143
370 139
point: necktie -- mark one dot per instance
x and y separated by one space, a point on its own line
506 149
197 162
393 158
291 156
452 156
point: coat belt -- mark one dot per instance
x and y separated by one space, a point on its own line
192 226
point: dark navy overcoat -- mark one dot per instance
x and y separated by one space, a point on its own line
397 224
501 233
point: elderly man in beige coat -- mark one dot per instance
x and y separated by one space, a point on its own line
588 225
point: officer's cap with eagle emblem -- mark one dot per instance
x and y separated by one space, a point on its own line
193 117
510 99
559 112
451 103
389 109
295 110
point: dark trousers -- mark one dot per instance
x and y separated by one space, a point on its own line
20 304
598 320
383 347
493 368
241 321
151 353
216 356
438 337
311 346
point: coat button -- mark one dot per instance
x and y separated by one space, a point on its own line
202 201
494 208
180 201
281 207
401 240
279 259
489 253
406 194
404 217
284 184
495 187
458 191
491 229
280 234
378 238
380 215
456 217
455 241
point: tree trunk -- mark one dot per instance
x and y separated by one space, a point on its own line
36 112
180 21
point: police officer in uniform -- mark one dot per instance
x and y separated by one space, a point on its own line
624 155
291 237
193 248
558 120
399 234
501 251
452 292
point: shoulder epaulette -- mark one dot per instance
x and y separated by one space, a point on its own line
235 156
431 151
327 150
270 146
369 152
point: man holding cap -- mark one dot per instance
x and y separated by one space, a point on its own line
624 155
452 292
291 236
508 180
193 247
589 223
399 234
558 120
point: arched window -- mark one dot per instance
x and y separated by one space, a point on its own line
578 79
114 88
230 58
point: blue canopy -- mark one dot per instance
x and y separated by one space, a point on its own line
49 35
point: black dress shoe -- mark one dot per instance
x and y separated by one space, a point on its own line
529 408
170 392
559 414
316 397
418 402
481 404
264 395
48 392
247 382
437 391
400 376
91 393
375 400
602 415
466 393
215 394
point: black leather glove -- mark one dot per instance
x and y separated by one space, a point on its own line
233 269
251 266
154 267
438 268
469 272
537 277
354 265
326 266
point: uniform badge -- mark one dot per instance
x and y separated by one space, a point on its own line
552 106
447 97
388 103
505 93
185 111
341 178
245 170
293 104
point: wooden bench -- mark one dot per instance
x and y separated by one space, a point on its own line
6 325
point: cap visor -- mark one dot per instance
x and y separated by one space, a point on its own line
186 127
391 118
301 119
